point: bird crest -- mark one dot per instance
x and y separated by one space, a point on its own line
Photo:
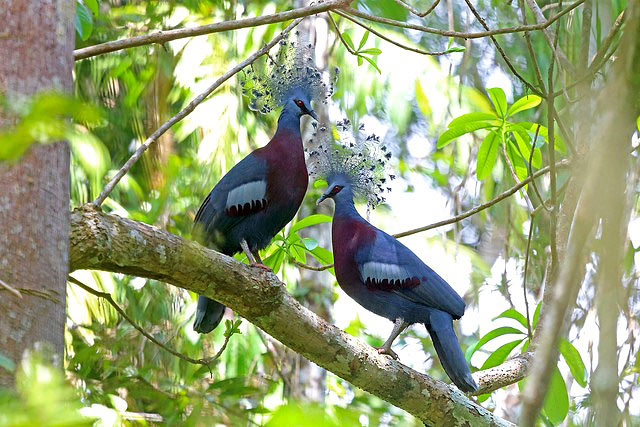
269 83
358 155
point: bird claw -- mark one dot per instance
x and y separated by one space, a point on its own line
388 352
261 266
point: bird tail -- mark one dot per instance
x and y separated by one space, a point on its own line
440 327
208 315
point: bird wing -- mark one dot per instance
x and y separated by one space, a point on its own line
241 192
388 265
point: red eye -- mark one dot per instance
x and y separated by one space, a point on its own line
336 189
299 103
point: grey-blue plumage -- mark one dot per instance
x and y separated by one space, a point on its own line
387 278
255 199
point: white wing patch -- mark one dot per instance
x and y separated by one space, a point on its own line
377 272
251 193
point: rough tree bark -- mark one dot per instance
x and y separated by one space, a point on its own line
110 243
36 47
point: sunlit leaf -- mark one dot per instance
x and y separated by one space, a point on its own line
499 100
505 330
536 315
513 314
500 354
487 155
456 132
309 221
363 40
525 103
370 61
347 39
574 361
372 51
422 100
556 404
478 116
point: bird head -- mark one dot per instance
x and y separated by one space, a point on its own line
338 184
299 103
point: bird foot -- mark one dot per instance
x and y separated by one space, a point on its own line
388 352
260 265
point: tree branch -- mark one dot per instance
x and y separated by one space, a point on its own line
185 112
165 36
416 11
463 35
105 242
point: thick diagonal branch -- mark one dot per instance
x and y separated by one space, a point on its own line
105 242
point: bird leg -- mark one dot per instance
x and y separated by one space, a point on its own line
399 326
252 256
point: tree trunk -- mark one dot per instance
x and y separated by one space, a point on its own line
36 47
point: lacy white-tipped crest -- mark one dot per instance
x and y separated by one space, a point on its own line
358 155
269 83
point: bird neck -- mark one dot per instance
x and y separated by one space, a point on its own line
289 120
345 206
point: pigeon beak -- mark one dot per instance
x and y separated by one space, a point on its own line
314 115
321 199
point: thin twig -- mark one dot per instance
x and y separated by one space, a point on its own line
310 267
502 52
463 35
186 111
514 175
606 43
415 11
530 167
165 36
532 55
467 214
344 42
524 280
550 36
10 289
551 152
107 296
383 37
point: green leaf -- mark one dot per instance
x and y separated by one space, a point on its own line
487 155
455 49
360 60
556 404
524 147
499 100
309 221
91 4
83 21
536 315
370 61
544 132
500 354
513 314
525 103
505 330
422 100
574 361
322 255
309 243
363 40
638 123
372 51
456 132
347 39
473 117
